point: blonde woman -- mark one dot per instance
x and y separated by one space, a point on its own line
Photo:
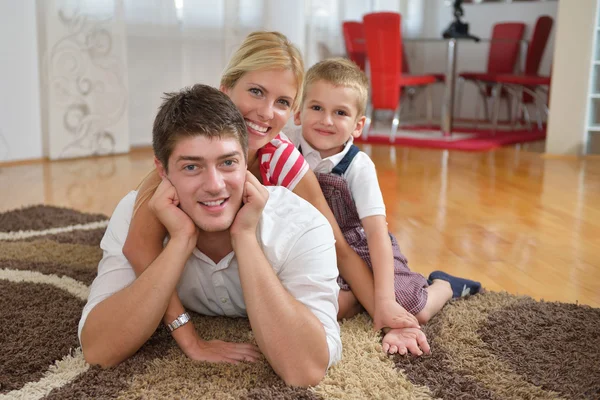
264 80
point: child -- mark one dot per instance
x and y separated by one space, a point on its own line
332 114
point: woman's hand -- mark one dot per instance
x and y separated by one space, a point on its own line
220 351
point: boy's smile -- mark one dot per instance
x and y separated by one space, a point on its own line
329 117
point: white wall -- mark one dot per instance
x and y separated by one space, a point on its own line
430 57
20 120
566 125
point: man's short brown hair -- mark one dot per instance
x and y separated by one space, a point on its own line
340 72
199 110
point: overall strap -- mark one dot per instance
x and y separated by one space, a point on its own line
343 165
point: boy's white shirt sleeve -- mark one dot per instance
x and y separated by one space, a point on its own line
361 176
114 271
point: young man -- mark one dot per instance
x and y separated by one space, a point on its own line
235 248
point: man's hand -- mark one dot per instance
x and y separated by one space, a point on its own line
406 339
164 203
219 351
390 314
255 197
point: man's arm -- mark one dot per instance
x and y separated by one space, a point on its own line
126 311
291 337
119 325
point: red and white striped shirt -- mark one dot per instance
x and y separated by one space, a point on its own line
281 164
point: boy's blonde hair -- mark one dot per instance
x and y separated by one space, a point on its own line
265 50
340 72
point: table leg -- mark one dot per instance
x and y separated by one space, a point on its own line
448 106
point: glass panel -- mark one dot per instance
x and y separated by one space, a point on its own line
593 145
595 114
596 80
597 50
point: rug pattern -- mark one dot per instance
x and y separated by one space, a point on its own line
489 346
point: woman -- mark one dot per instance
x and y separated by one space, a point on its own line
264 80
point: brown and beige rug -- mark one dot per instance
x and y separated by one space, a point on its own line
489 346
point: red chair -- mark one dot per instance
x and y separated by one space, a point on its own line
525 86
354 39
502 59
384 51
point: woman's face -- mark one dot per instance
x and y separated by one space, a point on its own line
265 98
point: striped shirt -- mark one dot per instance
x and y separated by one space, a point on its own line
281 164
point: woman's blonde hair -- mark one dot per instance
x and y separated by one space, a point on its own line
265 50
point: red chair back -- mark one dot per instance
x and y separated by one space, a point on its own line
384 51
405 66
504 48
537 45
354 39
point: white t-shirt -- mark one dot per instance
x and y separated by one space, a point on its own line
296 240
360 175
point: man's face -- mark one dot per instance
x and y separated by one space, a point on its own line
209 176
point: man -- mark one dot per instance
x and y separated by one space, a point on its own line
235 248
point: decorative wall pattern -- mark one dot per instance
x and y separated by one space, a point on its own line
84 78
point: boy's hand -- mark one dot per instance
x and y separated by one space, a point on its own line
254 198
390 314
164 203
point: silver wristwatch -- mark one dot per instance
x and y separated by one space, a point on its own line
179 322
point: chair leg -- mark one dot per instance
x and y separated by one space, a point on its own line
369 119
459 95
509 108
395 122
486 105
538 117
527 117
496 103
519 101
429 94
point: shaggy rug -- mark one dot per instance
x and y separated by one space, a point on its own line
488 346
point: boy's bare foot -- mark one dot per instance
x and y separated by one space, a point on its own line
405 340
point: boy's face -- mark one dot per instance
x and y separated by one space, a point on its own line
329 117
208 175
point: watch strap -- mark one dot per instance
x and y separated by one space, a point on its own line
178 322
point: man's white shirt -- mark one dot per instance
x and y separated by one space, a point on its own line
296 239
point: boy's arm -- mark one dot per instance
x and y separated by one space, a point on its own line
354 270
382 258
367 196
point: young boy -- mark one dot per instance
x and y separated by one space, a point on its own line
332 114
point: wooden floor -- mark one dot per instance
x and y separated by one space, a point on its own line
512 219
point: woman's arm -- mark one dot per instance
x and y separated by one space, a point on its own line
351 266
143 245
